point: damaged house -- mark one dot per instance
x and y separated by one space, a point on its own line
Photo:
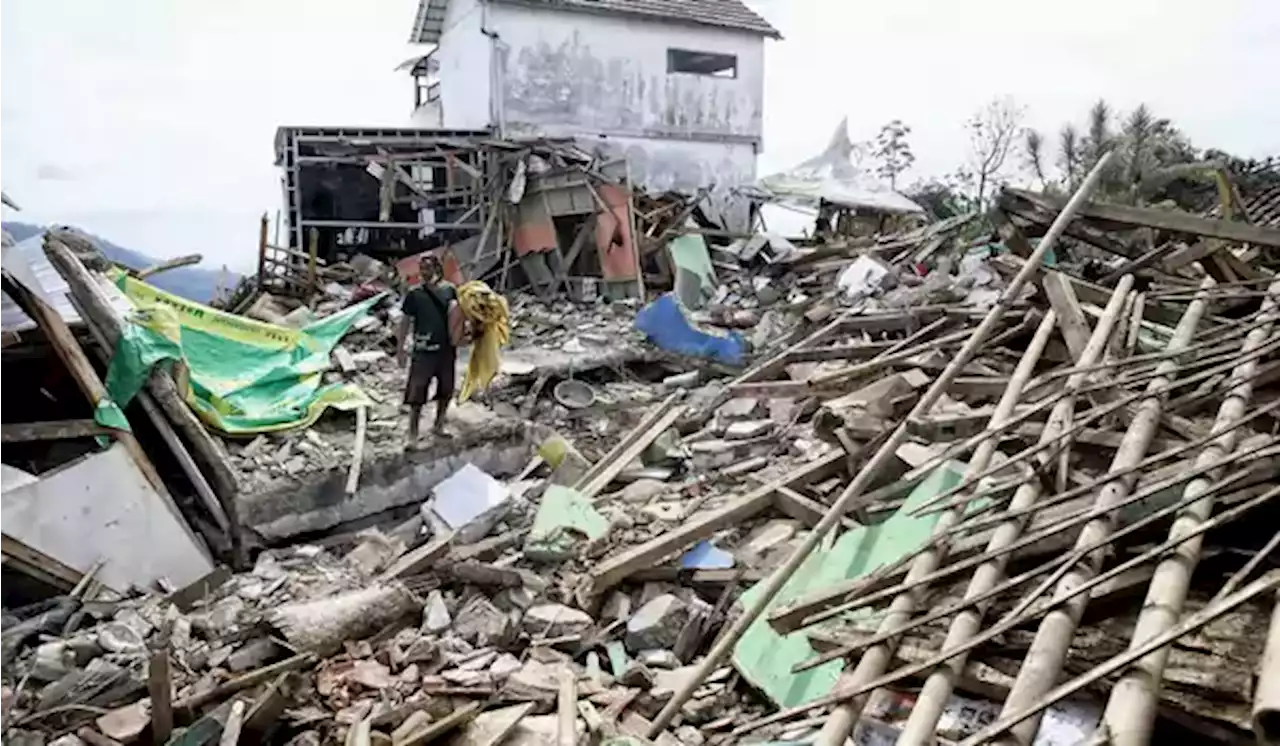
674 86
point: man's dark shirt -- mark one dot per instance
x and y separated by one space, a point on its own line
429 309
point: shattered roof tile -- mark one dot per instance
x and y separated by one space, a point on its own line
729 14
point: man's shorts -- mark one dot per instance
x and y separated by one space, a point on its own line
426 367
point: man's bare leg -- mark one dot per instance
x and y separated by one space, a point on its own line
442 408
415 416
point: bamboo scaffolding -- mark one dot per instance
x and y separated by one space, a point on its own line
1131 710
1225 485
1044 660
1191 624
840 724
1006 623
811 610
849 497
932 700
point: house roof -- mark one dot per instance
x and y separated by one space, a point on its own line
728 14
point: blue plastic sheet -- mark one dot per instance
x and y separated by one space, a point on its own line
664 323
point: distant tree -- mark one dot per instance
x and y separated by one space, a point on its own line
943 197
1069 155
1033 154
1149 152
993 130
893 151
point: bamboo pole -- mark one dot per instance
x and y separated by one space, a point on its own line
1043 662
874 661
1192 623
1131 709
1008 622
849 497
1020 614
1247 569
1086 418
1266 697
924 564
920 726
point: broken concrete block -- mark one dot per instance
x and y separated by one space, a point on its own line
565 520
658 623
53 660
682 380
70 739
660 658
738 409
125 724
555 620
420 650
253 654
504 665
748 429
435 615
374 552
470 502
643 490
567 463
371 675
481 623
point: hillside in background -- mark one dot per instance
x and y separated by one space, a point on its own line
197 283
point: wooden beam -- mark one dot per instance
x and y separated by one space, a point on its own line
73 356
21 432
1066 309
31 561
96 310
1170 220
617 568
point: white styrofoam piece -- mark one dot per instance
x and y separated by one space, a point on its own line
470 496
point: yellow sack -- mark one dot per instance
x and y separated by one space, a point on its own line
479 303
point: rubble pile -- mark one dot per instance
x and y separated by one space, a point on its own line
957 481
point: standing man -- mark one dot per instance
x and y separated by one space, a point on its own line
426 307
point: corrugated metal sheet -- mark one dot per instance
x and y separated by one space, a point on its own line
25 262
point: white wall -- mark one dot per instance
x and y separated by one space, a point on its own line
607 74
604 80
465 56
103 507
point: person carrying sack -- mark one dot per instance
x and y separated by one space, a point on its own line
439 329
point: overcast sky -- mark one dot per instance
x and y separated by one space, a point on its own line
150 122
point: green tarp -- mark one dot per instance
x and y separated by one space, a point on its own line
239 375
765 658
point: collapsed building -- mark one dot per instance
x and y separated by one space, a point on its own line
999 476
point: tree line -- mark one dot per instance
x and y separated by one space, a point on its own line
1154 161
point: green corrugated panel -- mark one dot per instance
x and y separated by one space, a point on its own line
765 658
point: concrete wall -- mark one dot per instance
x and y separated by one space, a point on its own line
465 55
580 73
102 507
604 79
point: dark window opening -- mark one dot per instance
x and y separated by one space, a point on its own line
702 63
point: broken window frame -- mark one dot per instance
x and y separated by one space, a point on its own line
707 64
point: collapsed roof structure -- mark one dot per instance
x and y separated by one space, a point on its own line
1000 476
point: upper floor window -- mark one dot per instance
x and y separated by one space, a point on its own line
702 63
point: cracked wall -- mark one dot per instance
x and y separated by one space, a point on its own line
608 75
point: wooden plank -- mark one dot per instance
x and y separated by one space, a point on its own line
77 363
357 452
653 415
95 308
31 561
1066 309
1171 220
160 689
617 568
20 432
186 597
419 559
616 461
